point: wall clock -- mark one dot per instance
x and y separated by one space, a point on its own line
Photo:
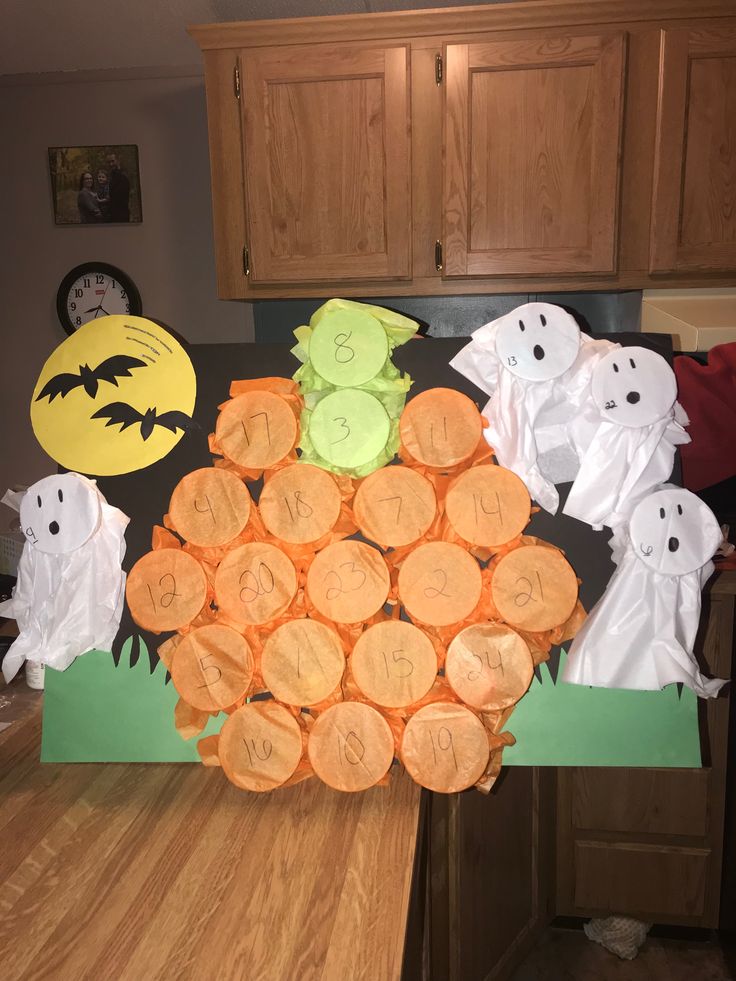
95 289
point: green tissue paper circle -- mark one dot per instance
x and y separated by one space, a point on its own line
348 347
349 428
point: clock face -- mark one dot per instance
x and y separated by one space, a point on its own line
95 290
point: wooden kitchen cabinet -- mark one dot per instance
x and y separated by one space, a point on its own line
532 144
694 210
648 842
518 147
326 162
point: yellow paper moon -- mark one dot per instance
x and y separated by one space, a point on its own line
64 426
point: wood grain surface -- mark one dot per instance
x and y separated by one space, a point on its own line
131 872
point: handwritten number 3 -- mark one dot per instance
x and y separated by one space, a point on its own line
344 423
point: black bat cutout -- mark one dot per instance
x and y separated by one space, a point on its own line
109 370
124 415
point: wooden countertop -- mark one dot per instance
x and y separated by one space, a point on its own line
125 872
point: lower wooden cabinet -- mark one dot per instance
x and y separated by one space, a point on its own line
648 843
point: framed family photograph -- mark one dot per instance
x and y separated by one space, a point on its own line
95 185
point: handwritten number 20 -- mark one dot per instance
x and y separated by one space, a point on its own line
263 583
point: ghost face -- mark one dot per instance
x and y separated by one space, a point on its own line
60 513
634 387
537 341
673 532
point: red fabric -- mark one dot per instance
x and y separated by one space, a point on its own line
708 394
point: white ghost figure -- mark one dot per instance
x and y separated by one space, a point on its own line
536 365
625 436
640 634
70 590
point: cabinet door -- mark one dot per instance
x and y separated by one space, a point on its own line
694 212
532 134
326 157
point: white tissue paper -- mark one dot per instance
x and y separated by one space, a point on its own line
536 365
640 634
71 588
625 436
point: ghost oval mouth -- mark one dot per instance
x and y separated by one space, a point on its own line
673 544
54 528
538 352
646 549
632 398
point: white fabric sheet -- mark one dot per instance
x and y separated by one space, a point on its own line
537 367
625 436
71 588
640 635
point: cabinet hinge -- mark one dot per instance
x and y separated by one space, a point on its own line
236 81
438 255
438 69
246 261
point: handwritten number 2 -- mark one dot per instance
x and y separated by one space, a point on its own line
432 592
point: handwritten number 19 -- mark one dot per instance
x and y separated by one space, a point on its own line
444 744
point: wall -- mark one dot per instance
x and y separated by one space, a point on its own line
170 255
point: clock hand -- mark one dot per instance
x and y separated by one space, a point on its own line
91 309
104 311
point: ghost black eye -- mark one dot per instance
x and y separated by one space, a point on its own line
521 324
615 368
632 362
543 319
661 513
38 498
679 508
61 496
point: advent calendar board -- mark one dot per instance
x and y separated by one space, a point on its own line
122 707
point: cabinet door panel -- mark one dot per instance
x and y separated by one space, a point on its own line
694 212
532 139
649 881
326 151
